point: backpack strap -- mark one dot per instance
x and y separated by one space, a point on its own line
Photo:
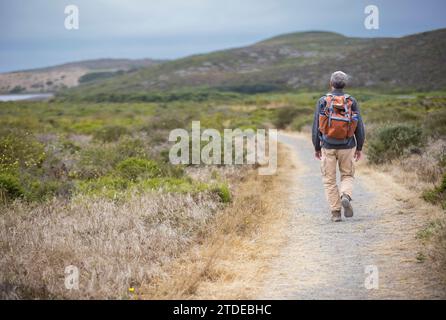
348 105
346 97
329 105
328 98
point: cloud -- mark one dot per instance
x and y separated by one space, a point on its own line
173 28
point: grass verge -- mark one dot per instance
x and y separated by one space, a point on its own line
231 256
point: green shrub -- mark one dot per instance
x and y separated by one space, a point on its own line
301 121
164 122
437 195
10 186
84 126
93 164
94 76
70 146
132 147
382 113
39 189
17 89
222 190
393 141
19 149
108 186
112 186
435 123
285 116
251 88
134 168
169 170
110 133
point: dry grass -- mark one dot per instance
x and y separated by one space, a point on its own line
232 255
428 220
162 245
413 175
114 245
419 171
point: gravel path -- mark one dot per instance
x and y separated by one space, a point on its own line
325 260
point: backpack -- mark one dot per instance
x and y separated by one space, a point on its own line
337 120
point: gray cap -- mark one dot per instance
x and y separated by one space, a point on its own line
339 79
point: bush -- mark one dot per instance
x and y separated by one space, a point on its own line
222 190
251 88
285 116
301 121
94 76
40 189
19 149
110 133
115 187
133 168
132 147
395 112
10 186
164 122
108 186
391 142
17 89
30 172
93 164
437 195
434 124
170 170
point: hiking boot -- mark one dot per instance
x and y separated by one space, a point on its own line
348 209
336 216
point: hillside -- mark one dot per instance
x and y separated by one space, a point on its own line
301 60
54 78
293 61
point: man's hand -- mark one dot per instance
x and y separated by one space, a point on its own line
318 155
357 155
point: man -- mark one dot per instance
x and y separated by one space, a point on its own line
338 136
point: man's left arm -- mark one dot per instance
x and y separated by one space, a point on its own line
359 132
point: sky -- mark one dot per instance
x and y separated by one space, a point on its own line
33 34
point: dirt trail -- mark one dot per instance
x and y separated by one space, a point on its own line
325 260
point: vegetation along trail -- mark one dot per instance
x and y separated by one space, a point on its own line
326 260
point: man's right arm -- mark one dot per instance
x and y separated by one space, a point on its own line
315 130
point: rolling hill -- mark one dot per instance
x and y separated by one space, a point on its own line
295 61
55 78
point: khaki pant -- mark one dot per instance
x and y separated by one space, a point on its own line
343 157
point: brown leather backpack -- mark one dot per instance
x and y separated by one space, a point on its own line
337 120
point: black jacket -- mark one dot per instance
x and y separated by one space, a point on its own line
358 138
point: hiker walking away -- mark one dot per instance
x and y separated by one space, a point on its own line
338 136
